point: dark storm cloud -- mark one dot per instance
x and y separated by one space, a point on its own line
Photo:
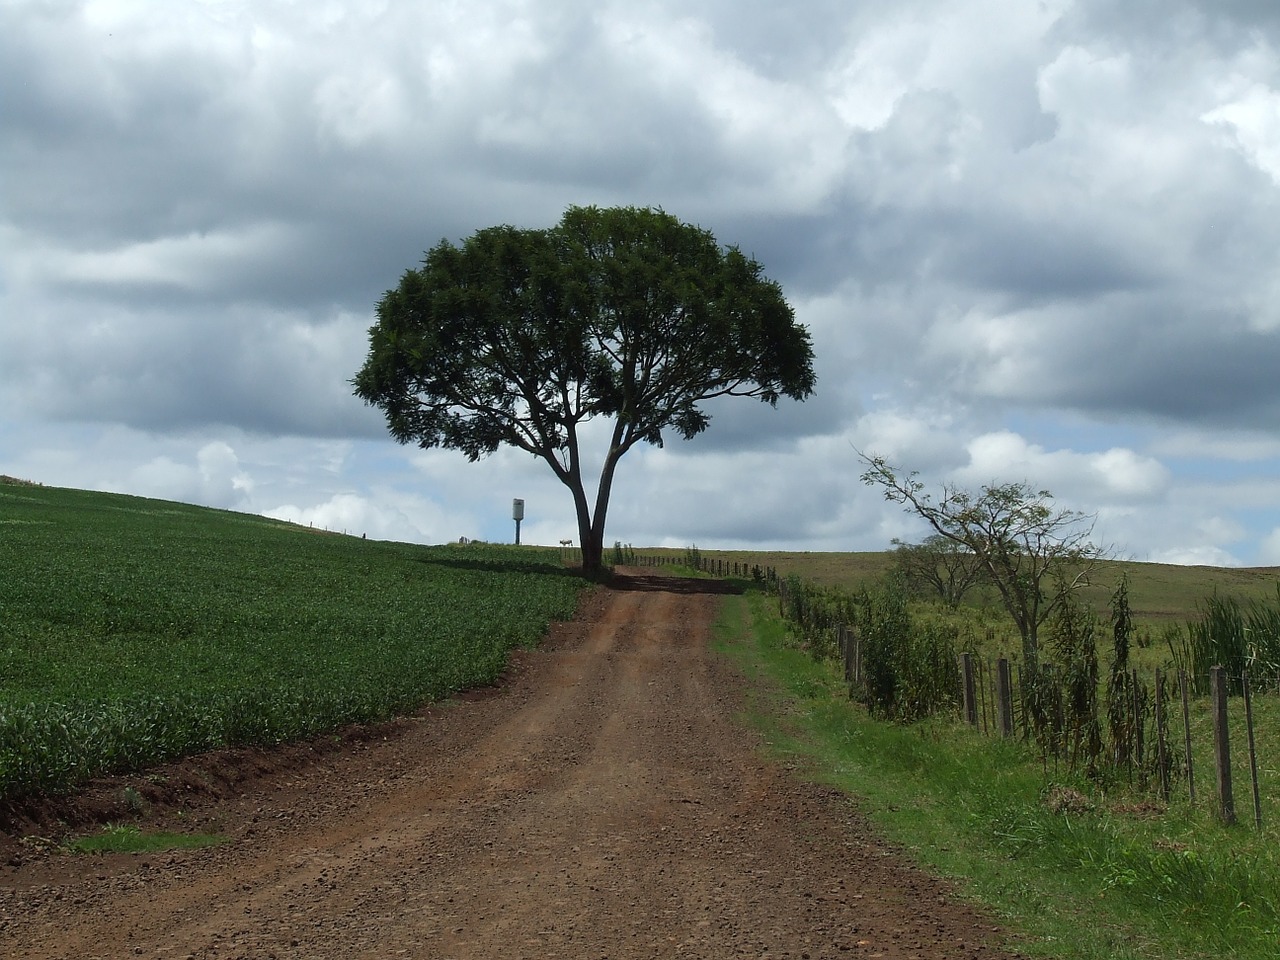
189 141
160 372
198 191
1032 262
1221 25
116 149
738 424
1203 370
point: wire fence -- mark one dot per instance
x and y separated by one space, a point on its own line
1158 735
1157 730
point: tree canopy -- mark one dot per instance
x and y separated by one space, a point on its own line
940 565
521 336
1017 533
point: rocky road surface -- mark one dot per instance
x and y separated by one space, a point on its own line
605 802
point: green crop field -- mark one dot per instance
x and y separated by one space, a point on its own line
134 631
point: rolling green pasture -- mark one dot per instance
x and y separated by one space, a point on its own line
134 631
1159 592
1163 597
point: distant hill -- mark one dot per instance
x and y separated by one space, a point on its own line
1158 592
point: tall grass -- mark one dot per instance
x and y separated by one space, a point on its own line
1074 724
1228 633
909 667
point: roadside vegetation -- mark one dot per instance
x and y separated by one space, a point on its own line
134 631
1076 866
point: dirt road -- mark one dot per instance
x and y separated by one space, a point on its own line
605 802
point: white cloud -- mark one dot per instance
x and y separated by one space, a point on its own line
1198 556
1269 549
1083 87
361 106
1238 446
1254 122
193 262
214 477
220 468
384 516
1106 476
915 441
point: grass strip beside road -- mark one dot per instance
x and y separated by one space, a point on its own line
1073 875
129 839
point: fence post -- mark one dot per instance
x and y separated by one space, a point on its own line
846 647
1186 734
1221 744
1162 748
970 695
1004 696
1022 700
1253 750
1139 731
986 691
984 670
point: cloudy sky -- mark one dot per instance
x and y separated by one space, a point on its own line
1032 240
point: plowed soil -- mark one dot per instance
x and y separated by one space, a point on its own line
604 802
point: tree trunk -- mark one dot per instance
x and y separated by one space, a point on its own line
1030 648
593 552
602 508
590 527
589 539
591 558
590 532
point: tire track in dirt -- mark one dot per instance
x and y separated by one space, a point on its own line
605 803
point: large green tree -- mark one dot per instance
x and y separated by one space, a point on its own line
522 336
